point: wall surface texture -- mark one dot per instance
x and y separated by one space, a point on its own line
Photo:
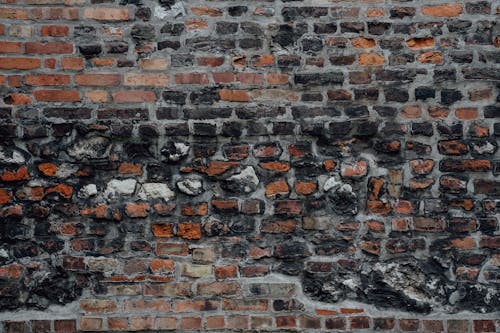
252 166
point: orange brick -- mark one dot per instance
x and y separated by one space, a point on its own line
277 78
47 80
17 99
48 169
96 96
65 191
140 209
161 265
189 230
375 12
134 96
19 63
276 166
264 60
305 188
363 43
206 11
103 62
420 43
431 57
447 10
371 59
234 95
12 176
130 168
163 230
192 25
279 187
14 13
72 63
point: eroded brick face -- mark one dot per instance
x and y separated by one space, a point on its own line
249 165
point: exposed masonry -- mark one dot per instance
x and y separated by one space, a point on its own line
249 165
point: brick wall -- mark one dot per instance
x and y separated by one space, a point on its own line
249 165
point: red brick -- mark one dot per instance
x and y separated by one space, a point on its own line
277 78
97 79
138 210
215 322
359 322
218 288
223 77
72 63
481 326
409 325
55 13
237 322
466 113
12 271
11 47
54 31
117 324
161 265
250 78
17 99
191 78
57 95
286 322
49 48
433 326
65 326
141 323
211 61
226 272
166 323
190 323
134 96
189 230
90 324
47 80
